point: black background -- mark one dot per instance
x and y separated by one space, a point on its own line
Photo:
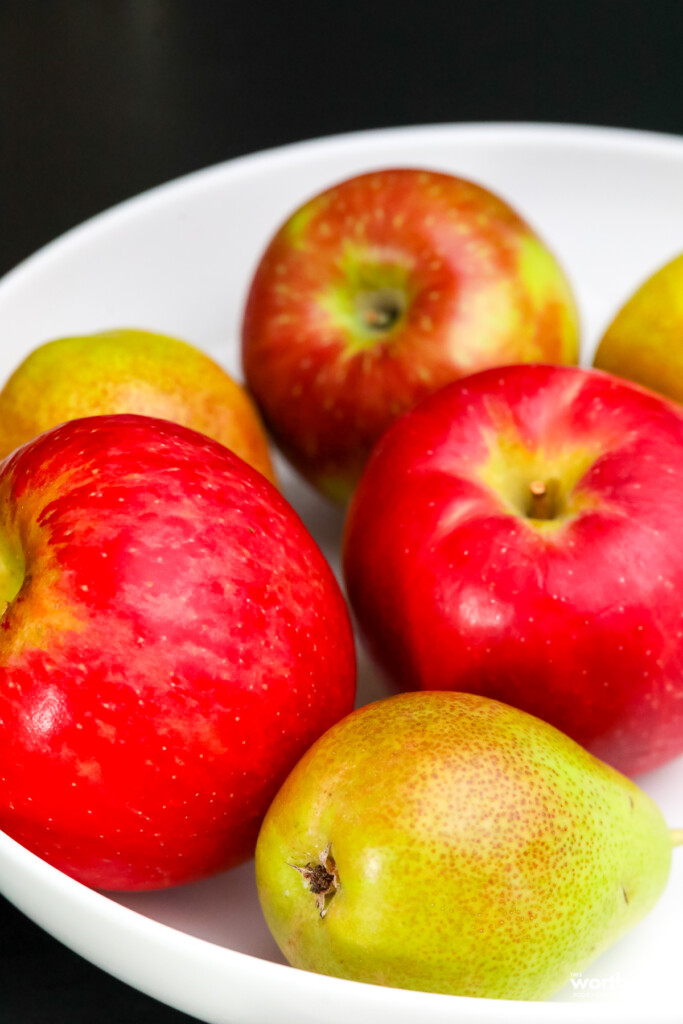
100 99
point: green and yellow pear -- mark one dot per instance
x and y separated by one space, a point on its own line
450 843
130 371
644 342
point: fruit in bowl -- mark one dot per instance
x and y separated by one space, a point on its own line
130 371
172 641
378 292
644 342
450 843
517 536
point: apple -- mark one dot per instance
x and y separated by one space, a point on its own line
130 371
644 342
518 536
172 641
378 292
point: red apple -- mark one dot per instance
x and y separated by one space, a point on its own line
172 641
518 536
378 292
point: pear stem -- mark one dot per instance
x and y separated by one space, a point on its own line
676 836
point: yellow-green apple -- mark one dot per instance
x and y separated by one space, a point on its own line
172 640
130 371
378 292
644 342
517 536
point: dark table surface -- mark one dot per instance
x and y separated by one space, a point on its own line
100 100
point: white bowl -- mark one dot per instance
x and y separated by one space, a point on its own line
178 260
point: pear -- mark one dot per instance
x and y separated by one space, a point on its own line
130 371
644 342
450 843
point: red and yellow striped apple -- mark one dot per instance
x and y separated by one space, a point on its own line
381 290
518 536
172 641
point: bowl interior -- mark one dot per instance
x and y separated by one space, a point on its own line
179 260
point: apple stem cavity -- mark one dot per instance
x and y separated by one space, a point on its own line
543 499
321 879
676 836
381 309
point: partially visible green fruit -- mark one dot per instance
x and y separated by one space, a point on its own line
644 343
130 371
450 843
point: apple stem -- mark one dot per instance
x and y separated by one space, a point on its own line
543 499
676 836
377 318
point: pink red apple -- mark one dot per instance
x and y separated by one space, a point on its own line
378 292
130 371
172 641
518 536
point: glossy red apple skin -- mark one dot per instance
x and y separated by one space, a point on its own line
480 289
177 643
578 619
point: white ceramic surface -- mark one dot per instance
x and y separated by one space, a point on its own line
178 259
